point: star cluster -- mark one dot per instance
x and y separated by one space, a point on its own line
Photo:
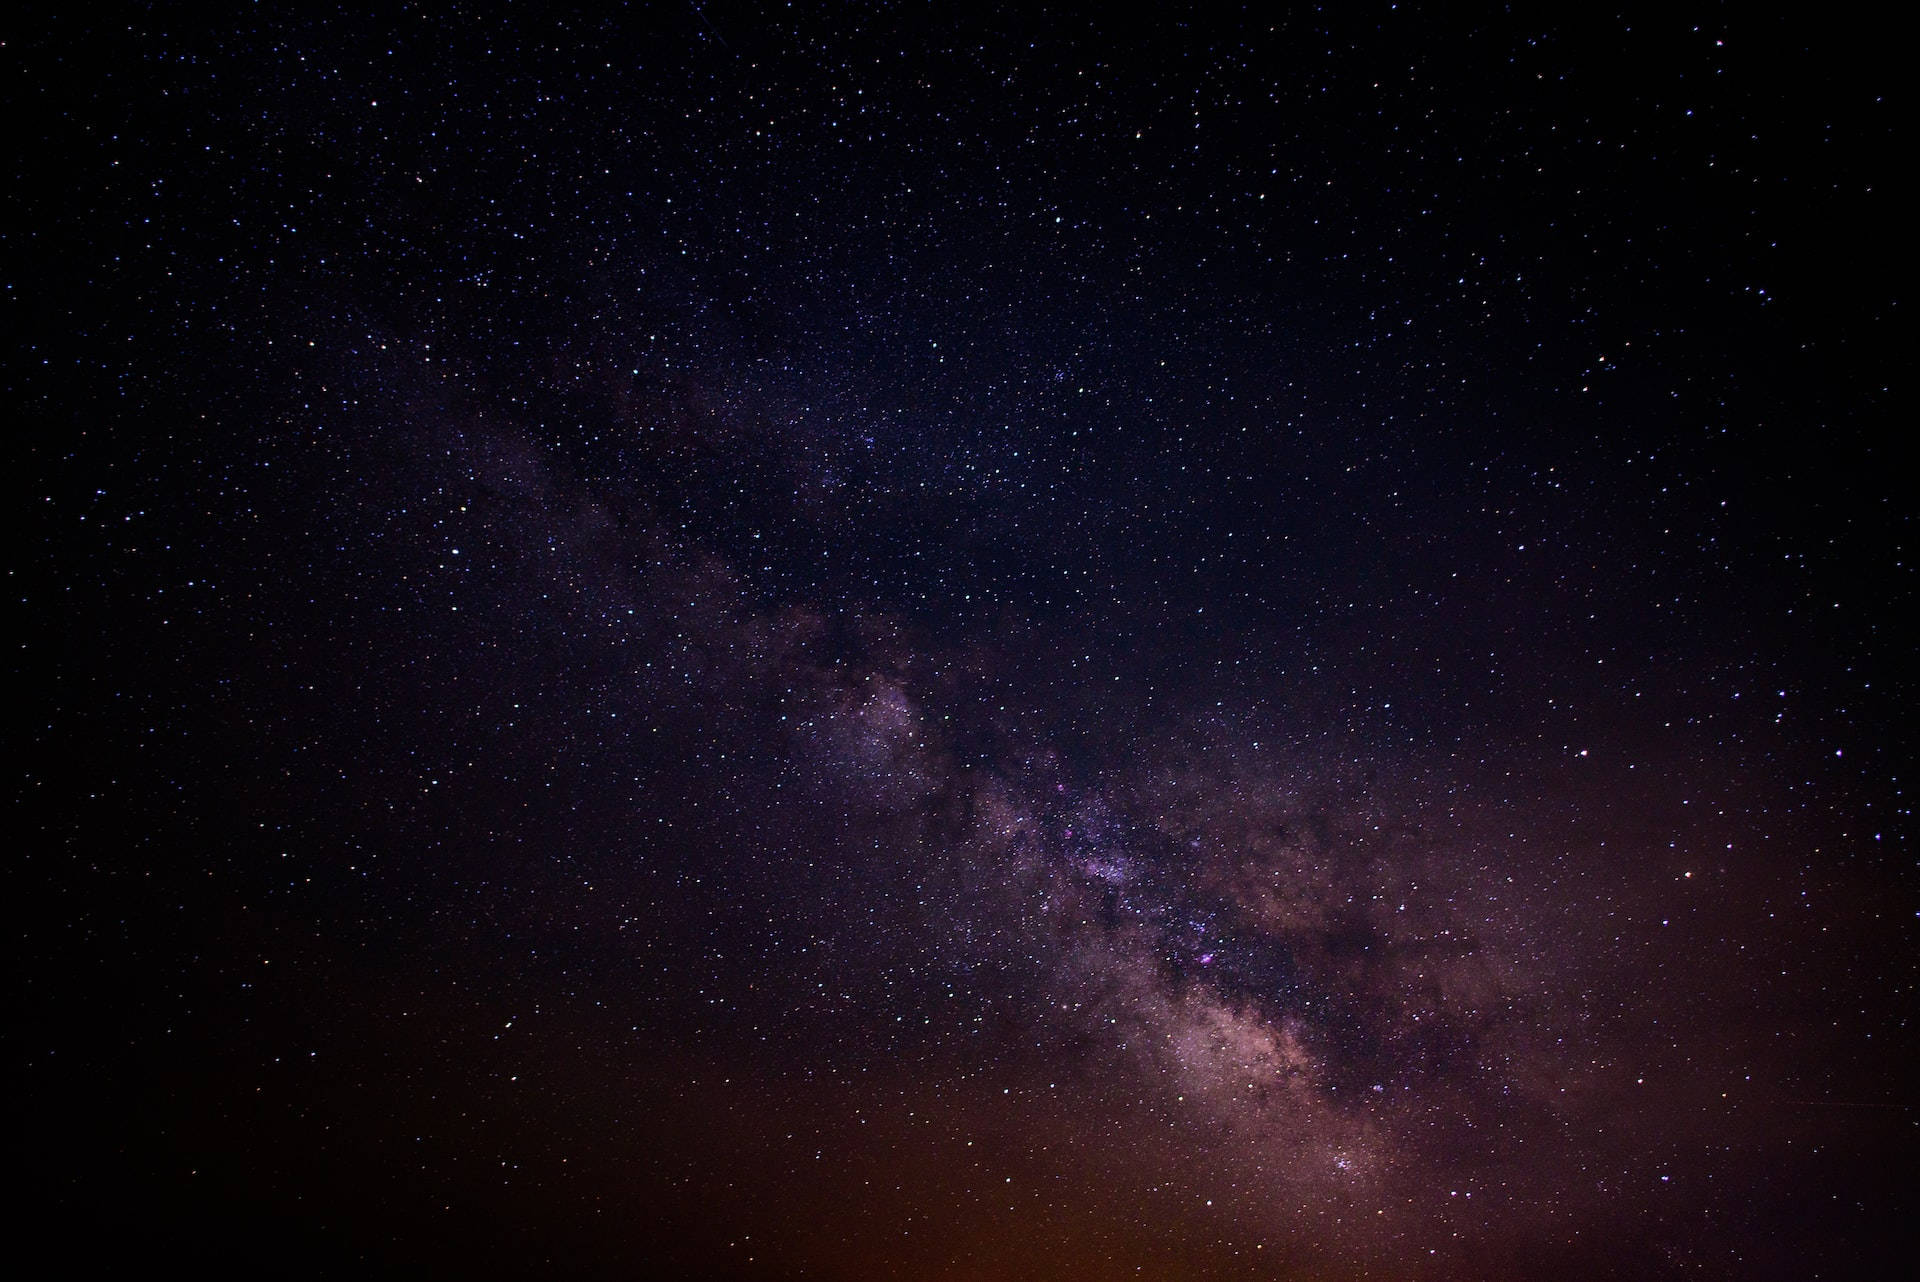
764 642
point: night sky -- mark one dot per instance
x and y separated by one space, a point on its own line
942 643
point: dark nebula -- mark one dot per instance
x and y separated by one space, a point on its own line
958 643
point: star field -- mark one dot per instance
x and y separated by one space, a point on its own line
743 641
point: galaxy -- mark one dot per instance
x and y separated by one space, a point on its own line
725 641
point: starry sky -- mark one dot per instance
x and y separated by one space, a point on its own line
732 641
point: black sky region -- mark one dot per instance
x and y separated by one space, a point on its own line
960 642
